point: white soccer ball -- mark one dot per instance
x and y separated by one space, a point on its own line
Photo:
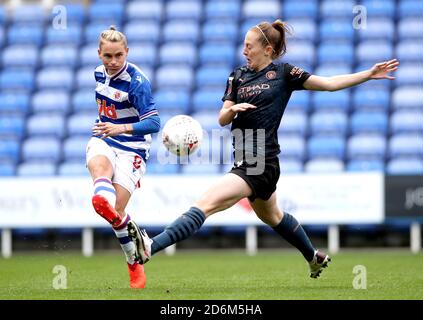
182 135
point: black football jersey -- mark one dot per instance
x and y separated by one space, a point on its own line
269 90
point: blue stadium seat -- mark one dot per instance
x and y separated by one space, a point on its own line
409 74
176 101
183 9
75 13
405 165
46 125
369 122
25 34
324 165
409 50
305 9
144 10
337 100
373 51
410 8
408 97
113 13
59 55
366 165
143 54
9 150
20 56
326 146
55 78
142 31
41 149
84 101
300 100
14 79
81 123
28 13
181 30
304 29
294 122
290 165
12 126
369 146
212 76
222 9
71 35
335 52
268 10
217 30
85 78
207 119
292 146
14 102
410 28
403 144
207 100
403 121
93 30
371 98
224 53
51 101
73 169
336 29
330 122
378 29
2 34
332 69
336 9
3 14
7 169
36 169
89 55
300 52
174 76
178 53
74 148
380 8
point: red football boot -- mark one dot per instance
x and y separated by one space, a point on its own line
104 209
137 278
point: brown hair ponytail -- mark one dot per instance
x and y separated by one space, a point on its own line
274 34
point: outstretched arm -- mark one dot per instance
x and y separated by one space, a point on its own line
378 71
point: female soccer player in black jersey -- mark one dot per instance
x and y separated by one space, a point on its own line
254 102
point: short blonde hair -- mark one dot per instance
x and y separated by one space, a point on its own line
112 35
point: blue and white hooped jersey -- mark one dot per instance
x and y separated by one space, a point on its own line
125 98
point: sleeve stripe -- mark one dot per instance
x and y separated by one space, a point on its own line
148 114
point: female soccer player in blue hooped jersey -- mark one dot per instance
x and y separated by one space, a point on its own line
255 98
118 149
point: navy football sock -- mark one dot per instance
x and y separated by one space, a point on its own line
183 227
291 230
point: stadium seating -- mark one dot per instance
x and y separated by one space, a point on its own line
188 48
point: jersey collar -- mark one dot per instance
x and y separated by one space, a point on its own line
117 74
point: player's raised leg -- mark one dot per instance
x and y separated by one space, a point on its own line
224 194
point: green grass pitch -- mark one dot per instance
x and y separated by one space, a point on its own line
222 275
